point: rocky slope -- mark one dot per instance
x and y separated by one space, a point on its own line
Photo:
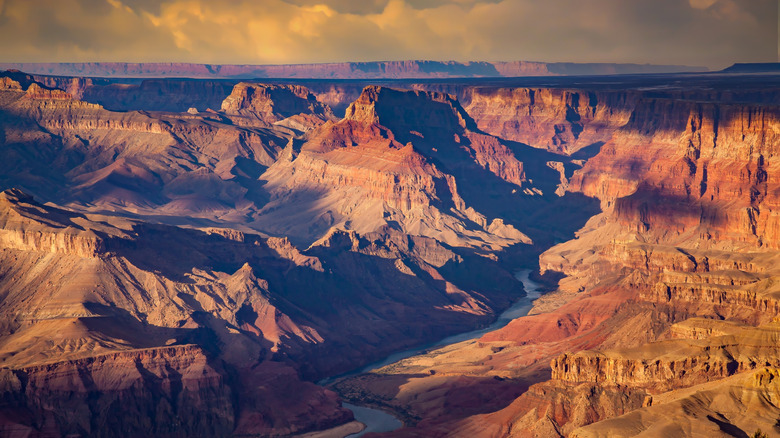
132 161
203 168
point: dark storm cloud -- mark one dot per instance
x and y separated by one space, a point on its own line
700 32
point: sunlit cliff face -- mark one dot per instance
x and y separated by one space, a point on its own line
694 32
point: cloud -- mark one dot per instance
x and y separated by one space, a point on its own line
700 32
702 4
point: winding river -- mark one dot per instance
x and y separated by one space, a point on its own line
381 421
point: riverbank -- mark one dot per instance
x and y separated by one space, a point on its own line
375 412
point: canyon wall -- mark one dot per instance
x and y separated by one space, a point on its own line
687 232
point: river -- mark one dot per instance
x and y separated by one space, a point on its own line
380 421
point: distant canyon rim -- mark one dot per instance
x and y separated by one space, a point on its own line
190 256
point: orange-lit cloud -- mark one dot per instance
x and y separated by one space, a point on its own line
693 32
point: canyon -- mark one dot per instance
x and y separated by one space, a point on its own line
188 257
667 299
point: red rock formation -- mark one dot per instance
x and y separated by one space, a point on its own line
726 349
274 103
704 166
75 86
403 208
552 410
35 91
133 392
688 226
740 404
428 114
131 159
559 120
375 168
15 80
23 228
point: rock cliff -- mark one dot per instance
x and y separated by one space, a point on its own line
687 232
559 120
310 245
378 166
274 103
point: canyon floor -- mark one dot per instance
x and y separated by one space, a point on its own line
185 257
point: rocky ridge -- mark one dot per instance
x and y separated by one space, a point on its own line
380 166
276 104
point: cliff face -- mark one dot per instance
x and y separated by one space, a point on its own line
24 228
687 231
717 350
430 115
151 389
274 103
174 95
387 163
711 173
559 120
740 399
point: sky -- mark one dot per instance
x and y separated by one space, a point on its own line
712 33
